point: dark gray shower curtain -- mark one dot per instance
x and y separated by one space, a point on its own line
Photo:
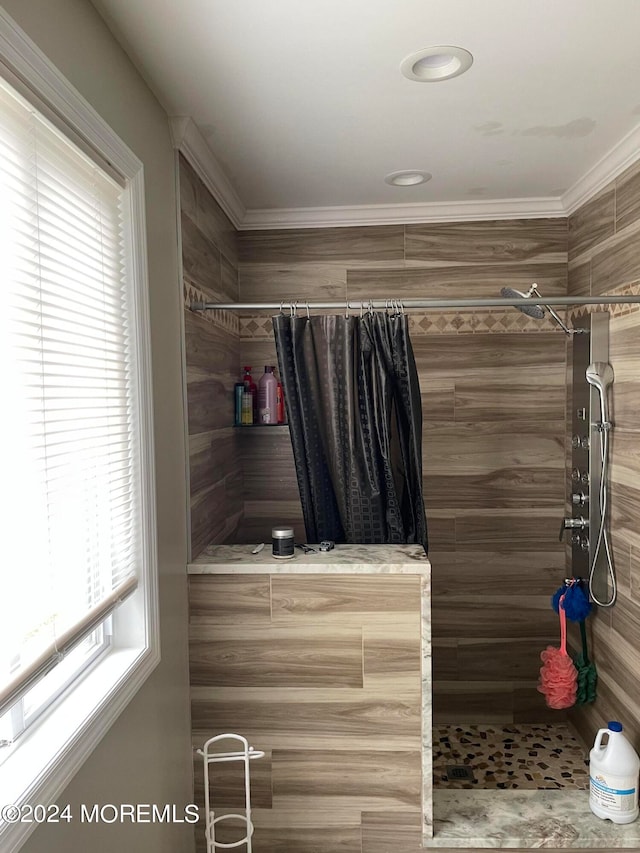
355 417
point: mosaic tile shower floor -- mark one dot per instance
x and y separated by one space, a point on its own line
528 757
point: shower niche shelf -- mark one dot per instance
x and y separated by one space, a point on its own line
281 427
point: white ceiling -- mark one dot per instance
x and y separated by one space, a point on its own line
302 103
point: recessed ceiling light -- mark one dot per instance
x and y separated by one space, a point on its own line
407 178
437 63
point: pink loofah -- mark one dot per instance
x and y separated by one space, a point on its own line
558 675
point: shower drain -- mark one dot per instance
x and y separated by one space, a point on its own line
459 772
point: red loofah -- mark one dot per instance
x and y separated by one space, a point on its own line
558 679
558 675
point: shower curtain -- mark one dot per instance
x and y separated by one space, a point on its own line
355 417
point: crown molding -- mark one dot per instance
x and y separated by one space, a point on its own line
191 143
614 162
402 214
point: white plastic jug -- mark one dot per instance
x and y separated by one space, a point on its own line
613 776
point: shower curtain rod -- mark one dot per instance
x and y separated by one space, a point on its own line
409 304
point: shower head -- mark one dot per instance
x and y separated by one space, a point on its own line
600 375
535 311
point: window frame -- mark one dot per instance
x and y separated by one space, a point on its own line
22 718
47 756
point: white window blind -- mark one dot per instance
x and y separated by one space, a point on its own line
68 429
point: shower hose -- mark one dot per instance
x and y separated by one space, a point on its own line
603 536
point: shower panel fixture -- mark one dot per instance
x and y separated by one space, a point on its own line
592 378
536 310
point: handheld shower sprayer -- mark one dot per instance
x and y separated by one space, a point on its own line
600 375
536 310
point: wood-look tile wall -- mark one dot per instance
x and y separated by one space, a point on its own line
493 387
323 673
212 355
604 258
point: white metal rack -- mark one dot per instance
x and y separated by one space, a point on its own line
246 754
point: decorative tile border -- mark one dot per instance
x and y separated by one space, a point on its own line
614 310
223 319
259 327
256 327
476 322
470 321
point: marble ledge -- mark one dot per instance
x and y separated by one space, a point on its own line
343 559
524 819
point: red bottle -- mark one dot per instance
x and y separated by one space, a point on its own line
253 390
280 403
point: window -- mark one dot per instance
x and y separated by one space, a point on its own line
78 632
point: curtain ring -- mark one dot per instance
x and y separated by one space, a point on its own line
307 307
401 307
281 304
346 309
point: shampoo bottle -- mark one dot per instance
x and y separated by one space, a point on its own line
247 406
613 776
268 397
250 387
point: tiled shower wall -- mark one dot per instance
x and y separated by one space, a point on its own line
493 422
210 262
604 258
322 672
493 387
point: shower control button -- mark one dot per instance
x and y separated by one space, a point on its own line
585 442
576 539
584 544
585 478
581 414
579 499
576 523
575 442
576 475
573 524
580 442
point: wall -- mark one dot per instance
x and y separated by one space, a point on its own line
493 386
145 757
322 672
604 258
209 269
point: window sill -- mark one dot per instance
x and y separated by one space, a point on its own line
44 760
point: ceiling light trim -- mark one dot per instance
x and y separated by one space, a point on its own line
407 178
401 214
623 154
460 60
188 140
